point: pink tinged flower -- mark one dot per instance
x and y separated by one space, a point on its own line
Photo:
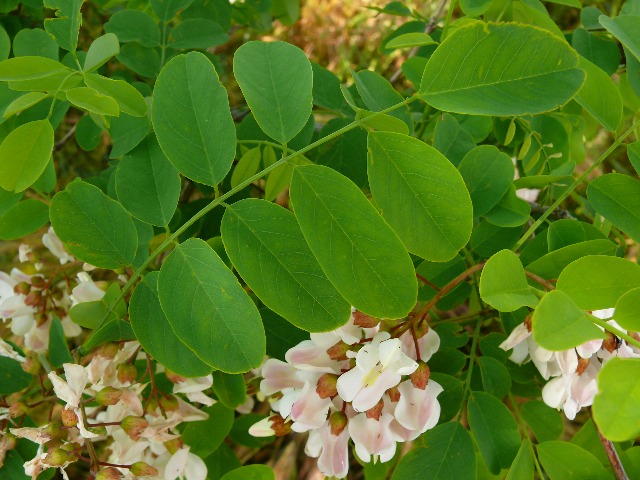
418 409
37 338
379 366
587 349
184 465
373 437
332 451
36 435
309 411
262 428
428 344
55 246
14 306
247 406
308 356
86 290
348 333
279 375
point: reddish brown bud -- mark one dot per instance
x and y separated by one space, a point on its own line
173 377
420 377
142 469
169 403
22 288
108 473
57 457
338 422
583 363
327 385
108 396
376 411
17 410
127 373
528 323
279 426
34 298
394 394
60 312
635 336
134 426
174 445
338 351
363 320
610 343
41 318
69 418
37 281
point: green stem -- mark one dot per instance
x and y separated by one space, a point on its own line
472 359
55 95
614 330
218 200
163 47
447 20
266 142
523 426
573 186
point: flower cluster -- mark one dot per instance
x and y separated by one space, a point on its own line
357 382
571 373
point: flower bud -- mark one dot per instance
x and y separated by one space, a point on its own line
41 318
71 447
60 312
394 394
376 411
34 298
57 457
174 445
108 473
363 320
37 281
279 426
134 426
169 403
31 364
327 385
528 323
108 396
420 377
174 377
8 442
338 351
127 373
421 329
69 418
22 288
338 422
108 350
142 469
17 410
55 429
611 343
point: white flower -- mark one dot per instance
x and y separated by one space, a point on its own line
86 290
418 409
379 366
373 437
262 428
7 350
55 246
185 465
332 451
193 388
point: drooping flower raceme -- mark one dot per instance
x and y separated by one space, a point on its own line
355 383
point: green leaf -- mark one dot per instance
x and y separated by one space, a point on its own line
503 283
129 100
127 132
568 231
34 42
625 29
267 247
221 461
617 198
113 331
277 82
615 407
240 431
23 219
494 429
488 174
550 266
189 102
451 139
421 195
378 94
596 282
495 377
600 96
229 388
134 26
565 461
95 228
88 135
247 166
558 324
488 239
29 68
250 472
474 8
501 69
24 155
89 99
65 27
510 211
58 350
210 312
633 152
627 314
100 51
148 185
23 102
205 436
356 249
12 377
546 423
197 33
281 335
598 49
326 91
409 40
522 467
5 44
167 9
155 334
449 455
142 60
